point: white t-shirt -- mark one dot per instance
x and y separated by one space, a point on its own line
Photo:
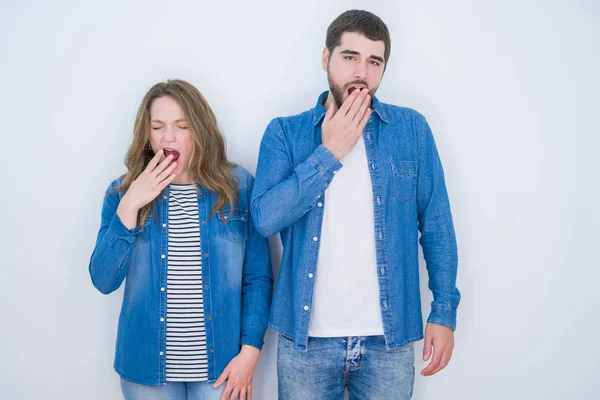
346 294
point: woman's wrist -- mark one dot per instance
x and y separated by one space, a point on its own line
128 214
250 351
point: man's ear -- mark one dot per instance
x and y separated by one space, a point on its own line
325 59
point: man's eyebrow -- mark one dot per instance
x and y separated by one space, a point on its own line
356 53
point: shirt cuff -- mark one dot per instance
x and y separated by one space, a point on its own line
442 315
253 337
325 162
120 231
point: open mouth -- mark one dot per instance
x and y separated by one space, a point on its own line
353 88
171 152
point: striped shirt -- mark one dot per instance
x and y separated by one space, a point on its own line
186 336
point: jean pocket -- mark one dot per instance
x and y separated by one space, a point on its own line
404 175
233 226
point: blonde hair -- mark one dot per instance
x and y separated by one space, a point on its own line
208 164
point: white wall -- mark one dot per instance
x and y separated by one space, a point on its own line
510 88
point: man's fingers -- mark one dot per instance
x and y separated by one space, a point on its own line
357 103
437 358
360 113
427 348
348 103
445 359
364 120
330 113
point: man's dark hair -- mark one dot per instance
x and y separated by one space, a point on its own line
360 21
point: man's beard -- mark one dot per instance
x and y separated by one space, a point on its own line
338 92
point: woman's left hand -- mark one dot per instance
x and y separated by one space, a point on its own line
238 374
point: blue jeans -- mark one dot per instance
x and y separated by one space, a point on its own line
172 391
361 365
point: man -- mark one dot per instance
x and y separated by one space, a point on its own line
349 184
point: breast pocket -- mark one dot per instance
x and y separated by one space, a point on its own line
233 227
405 180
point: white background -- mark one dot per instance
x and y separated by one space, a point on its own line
511 91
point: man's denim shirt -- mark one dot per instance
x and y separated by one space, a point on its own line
409 195
236 275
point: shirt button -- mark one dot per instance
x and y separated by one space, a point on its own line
385 304
320 204
162 256
205 286
225 217
378 200
161 353
318 196
212 350
162 289
162 320
373 167
165 197
305 308
310 275
209 318
315 239
205 255
203 223
382 271
164 225
242 219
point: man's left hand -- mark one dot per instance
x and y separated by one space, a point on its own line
439 340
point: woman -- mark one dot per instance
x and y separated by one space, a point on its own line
198 276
